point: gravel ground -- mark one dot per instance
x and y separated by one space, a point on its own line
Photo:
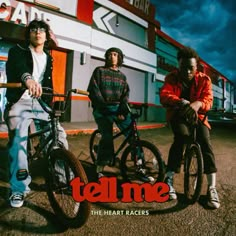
171 218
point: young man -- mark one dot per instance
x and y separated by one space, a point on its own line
109 92
31 66
187 94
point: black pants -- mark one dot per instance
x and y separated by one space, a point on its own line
106 146
181 135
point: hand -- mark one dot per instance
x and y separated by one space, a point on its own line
120 117
196 105
35 89
189 114
183 102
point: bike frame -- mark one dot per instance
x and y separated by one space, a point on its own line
51 127
133 136
42 146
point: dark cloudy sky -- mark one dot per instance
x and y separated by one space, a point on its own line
209 26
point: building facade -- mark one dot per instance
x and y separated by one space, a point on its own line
84 30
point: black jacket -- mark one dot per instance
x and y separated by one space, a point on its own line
18 66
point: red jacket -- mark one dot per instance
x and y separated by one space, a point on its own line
201 90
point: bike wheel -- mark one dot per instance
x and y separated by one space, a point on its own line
152 163
93 144
63 167
193 174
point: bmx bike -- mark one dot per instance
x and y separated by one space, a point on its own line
62 165
136 152
193 167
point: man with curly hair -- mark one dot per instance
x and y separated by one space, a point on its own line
31 65
187 94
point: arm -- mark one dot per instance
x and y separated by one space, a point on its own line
18 70
170 92
123 109
206 97
204 100
95 94
201 100
16 66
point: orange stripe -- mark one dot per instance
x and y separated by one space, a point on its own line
80 98
86 98
89 131
2 58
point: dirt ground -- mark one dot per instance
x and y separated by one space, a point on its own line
171 218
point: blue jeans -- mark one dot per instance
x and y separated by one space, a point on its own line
105 126
18 119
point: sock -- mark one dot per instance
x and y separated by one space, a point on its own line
100 169
211 179
170 174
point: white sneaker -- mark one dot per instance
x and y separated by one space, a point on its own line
172 193
16 199
141 175
213 198
100 175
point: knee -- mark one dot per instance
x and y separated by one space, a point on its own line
181 139
107 136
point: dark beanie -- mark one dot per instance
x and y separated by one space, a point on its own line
114 50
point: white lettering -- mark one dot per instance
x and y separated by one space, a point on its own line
136 3
130 1
19 14
143 5
34 13
146 8
4 13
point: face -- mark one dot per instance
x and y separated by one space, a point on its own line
188 68
37 36
113 57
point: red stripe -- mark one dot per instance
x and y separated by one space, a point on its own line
85 11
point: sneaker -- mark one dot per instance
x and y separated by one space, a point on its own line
172 193
213 199
141 175
16 199
100 175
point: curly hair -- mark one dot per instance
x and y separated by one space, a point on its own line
37 24
120 56
187 52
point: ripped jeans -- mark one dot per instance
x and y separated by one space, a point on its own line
18 119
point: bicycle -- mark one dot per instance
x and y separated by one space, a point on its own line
193 163
136 152
193 168
62 165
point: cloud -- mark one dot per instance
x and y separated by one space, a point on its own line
208 26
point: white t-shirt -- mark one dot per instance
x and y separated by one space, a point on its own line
39 67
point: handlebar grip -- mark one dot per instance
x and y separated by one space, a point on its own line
78 91
10 85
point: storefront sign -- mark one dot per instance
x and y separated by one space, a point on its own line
143 5
20 14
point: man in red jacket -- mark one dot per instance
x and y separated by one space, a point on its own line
187 95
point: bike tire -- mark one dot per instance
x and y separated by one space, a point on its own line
93 144
63 167
193 173
153 165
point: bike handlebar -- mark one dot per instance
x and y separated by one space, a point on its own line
44 106
20 85
11 85
79 91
